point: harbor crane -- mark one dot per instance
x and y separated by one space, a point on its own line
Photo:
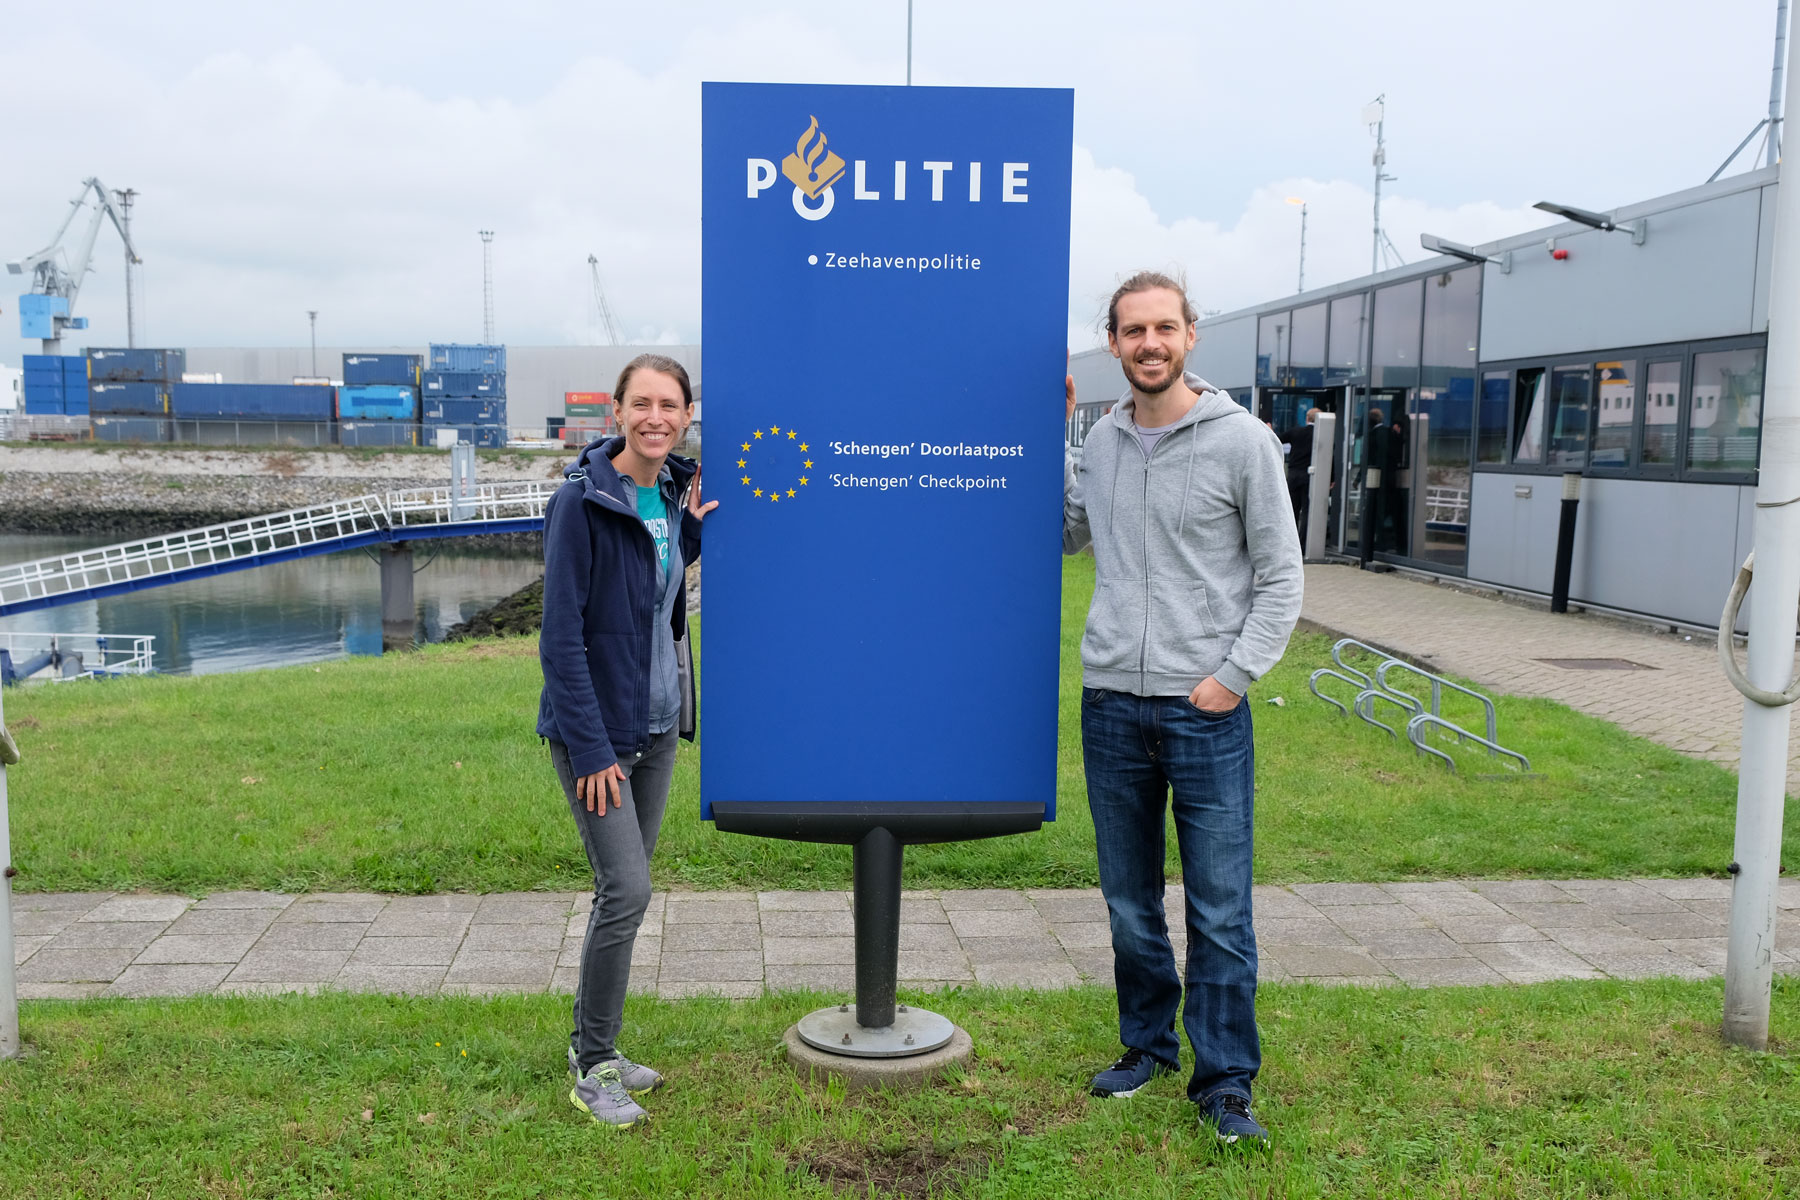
607 324
49 307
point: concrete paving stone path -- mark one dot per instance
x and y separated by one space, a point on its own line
1681 698
73 946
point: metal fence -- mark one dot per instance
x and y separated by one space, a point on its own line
60 657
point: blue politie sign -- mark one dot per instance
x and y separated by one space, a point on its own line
885 295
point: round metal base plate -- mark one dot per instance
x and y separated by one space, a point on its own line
834 1030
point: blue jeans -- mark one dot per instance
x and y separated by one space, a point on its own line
1138 750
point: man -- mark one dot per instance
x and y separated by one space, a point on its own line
1181 493
1299 442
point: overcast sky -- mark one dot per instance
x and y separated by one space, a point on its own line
341 156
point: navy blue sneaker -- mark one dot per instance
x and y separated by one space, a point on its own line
1230 1117
1127 1076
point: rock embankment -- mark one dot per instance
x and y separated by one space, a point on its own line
138 492
523 612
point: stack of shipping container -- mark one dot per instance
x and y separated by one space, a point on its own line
586 416
128 392
379 402
236 414
463 395
56 385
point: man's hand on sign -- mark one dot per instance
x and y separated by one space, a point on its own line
588 789
1214 697
693 499
1069 392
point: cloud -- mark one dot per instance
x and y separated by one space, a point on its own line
273 182
1116 232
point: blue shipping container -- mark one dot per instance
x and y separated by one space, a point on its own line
75 404
378 401
41 405
253 401
463 412
378 433
463 385
401 370
131 429
131 366
454 356
45 380
151 399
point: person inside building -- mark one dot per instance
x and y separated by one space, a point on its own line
618 690
1299 443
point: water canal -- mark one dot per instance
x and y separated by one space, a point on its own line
295 612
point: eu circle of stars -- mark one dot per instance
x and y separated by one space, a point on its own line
774 463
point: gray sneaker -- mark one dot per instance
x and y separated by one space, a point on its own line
601 1095
638 1078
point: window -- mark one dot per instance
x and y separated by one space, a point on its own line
1528 416
1726 417
1611 434
1490 441
1394 361
1571 392
1271 347
1349 336
1662 388
1306 347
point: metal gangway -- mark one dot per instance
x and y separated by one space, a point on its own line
1424 714
400 516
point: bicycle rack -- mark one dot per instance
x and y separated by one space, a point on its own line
1424 715
1365 708
1414 734
1438 685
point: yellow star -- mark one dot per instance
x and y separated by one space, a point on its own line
803 447
790 435
809 464
746 445
740 462
746 479
775 496
803 481
774 429
790 493
758 492
757 435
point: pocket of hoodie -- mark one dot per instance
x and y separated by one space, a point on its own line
1181 624
1115 625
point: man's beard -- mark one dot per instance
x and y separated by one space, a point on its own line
1177 362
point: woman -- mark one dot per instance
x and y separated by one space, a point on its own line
618 689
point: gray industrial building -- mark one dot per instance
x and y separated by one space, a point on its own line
1632 356
536 376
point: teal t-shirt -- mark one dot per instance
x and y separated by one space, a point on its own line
654 512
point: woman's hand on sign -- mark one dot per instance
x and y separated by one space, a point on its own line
1068 392
596 789
693 499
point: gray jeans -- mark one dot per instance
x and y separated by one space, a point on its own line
618 847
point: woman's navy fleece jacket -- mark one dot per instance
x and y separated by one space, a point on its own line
600 593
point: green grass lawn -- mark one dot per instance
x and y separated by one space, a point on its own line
420 772
1549 1091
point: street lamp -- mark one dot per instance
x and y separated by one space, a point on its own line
312 320
1438 245
1601 221
1296 200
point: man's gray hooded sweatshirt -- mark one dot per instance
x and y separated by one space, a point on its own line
1198 562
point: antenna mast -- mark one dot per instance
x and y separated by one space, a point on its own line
1375 114
487 287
